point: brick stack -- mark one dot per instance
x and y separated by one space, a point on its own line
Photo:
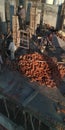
42 69
16 32
11 65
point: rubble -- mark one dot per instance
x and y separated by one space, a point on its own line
42 69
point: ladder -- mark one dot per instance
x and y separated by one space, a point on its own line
24 39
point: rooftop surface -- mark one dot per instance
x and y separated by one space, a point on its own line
41 101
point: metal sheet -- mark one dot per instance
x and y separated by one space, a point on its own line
7 124
45 110
16 87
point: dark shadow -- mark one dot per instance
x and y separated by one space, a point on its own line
11 14
62 88
21 2
59 20
28 13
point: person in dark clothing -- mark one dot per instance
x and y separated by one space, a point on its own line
38 30
22 17
49 38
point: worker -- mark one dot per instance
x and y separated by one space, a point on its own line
49 38
1 61
38 30
12 49
22 17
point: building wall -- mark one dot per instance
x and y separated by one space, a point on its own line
52 15
28 7
10 12
2 16
2 10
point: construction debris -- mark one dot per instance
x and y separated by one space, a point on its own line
59 33
42 69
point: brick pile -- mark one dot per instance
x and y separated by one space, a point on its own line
42 69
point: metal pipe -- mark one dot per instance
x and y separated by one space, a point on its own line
6 108
32 122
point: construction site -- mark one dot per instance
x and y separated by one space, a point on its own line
32 79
